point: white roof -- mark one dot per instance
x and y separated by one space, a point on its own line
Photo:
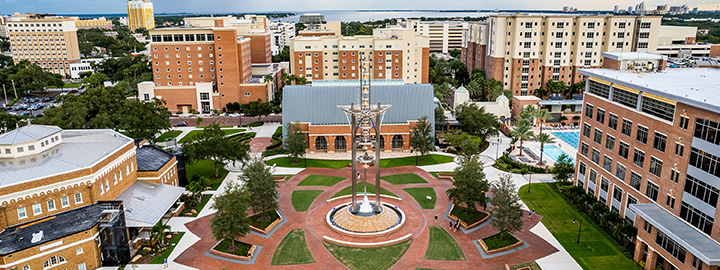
633 56
527 98
27 134
146 202
697 87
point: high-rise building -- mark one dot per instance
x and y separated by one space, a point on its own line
49 41
282 33
640 8
526 51
321 29
140 14
99 23
253 27
444 36
396 53
616 10
649 150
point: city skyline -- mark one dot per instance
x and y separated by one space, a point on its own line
189 6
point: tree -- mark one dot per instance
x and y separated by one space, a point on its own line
9 122
528 113
212 145
440 119
95 80
158 234
295 143
468 144
422 139
543 139
522 131
455 53
260 186
231 219
283 56
469 148
505 206
196 188
267 78
555 87
469 185
475 90
563 169
577 88
29 77
542 115
476 121
257 108
541 93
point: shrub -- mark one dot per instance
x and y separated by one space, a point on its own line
504 163
272 152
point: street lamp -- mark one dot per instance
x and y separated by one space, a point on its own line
525 171
579 229
497 148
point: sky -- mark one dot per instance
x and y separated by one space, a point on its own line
241 6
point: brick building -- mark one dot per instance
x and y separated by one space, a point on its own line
326 127
63 177
648 149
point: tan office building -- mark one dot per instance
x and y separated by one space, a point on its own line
50 42
396 53
99 23
140 14
445 36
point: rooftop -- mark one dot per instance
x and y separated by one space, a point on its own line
527 98
146 202
633 56
696 242
27 134
697 87
151 158
79 149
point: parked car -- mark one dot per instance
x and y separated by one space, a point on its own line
181 124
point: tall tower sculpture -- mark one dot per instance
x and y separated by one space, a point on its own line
363 119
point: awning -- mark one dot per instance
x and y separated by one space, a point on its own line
146 202
695 241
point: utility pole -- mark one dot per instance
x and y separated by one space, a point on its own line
15 90
5 92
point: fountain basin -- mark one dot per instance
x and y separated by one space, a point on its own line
389 220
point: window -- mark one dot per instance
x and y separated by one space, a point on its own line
584 149
623 150
679 149
696 217
652 191
669 245
604 184
647 227
674 175
684 120
661 109
707 130
620 171
659 141
701 190
593 176
639 158
635 180
607 163
78 251
64 201
37 209
82 266
610 142
51 205
617 194
586 130
670 201
598 136
78 196
582 168
696 263
596 88
600 116
21 213
642 134
655 166
596 156
588 110
626 127
704 161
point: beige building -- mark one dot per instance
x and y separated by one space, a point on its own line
396 53
50 42
140 14
445 36
322 29
99 23
525 51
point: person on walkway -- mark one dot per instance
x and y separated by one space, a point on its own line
436 219
457 226
451 225
530 214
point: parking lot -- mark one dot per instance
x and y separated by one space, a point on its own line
36 106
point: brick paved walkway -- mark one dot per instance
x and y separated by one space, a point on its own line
313 222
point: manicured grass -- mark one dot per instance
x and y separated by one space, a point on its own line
494 242
292 250
302 199
368 258
172 243
199 207
421 161
242 248
421 194
532 265
205 168
435 174
337 164
403 178
597 250
469 216
442 246
370 190
320 180
197 132
169 134
257 220
254 124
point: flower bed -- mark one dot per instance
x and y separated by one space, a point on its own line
493 244
468 220
244 251
265 226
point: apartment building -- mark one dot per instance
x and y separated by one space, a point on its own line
203 69
445 36
140 14
525 51
99 23
322 29
254 27
50 41
396 53
679 42
3 27
649 149
474 46
282 33
64 196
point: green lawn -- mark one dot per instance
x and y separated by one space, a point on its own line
337 164
197 132
368 258
302 199
207 169
320 180
242 248
442 246
403 178
370 190
260 221
292 250
173 242
596 250
533 266
420 194
494 242
169 134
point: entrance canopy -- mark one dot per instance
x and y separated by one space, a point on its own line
147 202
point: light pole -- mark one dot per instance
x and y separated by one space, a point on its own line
497 148
579 229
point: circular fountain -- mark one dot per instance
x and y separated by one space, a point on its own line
367 221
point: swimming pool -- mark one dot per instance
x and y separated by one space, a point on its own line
572 138
553 152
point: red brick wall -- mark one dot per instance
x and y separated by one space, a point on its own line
261 51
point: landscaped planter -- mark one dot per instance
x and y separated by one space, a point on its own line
497 250
270 226
464 224
446 176
233 256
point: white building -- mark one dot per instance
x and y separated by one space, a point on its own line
500 107
445 36
84 65
282 32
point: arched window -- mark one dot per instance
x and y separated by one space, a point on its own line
397 142
320 144
382 142
340 143
54 260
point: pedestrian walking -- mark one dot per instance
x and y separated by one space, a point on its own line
533 214
436 219
451 225
457 226
530 214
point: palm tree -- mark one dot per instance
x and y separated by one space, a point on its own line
543 138
523 132
267 78
528 113
543 115
157 233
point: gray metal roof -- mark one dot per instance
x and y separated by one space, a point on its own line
695 241
27 134
146 202
151 158
318 105
560 102
79 149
